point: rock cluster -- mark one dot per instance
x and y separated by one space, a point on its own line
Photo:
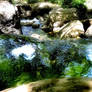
53 19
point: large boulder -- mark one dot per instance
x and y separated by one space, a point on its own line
9 21
72 29
62 15
7 10
55 85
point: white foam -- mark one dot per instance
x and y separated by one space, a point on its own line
28 51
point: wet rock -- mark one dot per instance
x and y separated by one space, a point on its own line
72 30
88 32
59 16
55 85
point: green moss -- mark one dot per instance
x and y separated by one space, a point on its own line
76 69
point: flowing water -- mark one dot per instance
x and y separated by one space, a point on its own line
22 60
73 55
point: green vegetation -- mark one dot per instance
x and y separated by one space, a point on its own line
76 69
72 3
64 3
52 61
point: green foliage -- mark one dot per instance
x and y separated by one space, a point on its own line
56 1
72 3
19 1
24 77
78 4
76 69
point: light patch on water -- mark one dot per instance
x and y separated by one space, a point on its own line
28 52
89 52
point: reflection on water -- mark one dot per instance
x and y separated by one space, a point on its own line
89 52
28 52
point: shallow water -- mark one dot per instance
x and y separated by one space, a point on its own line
21 60
27 26
73 52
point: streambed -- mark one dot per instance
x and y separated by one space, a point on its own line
22 61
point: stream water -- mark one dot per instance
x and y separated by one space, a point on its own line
73 54
23 60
